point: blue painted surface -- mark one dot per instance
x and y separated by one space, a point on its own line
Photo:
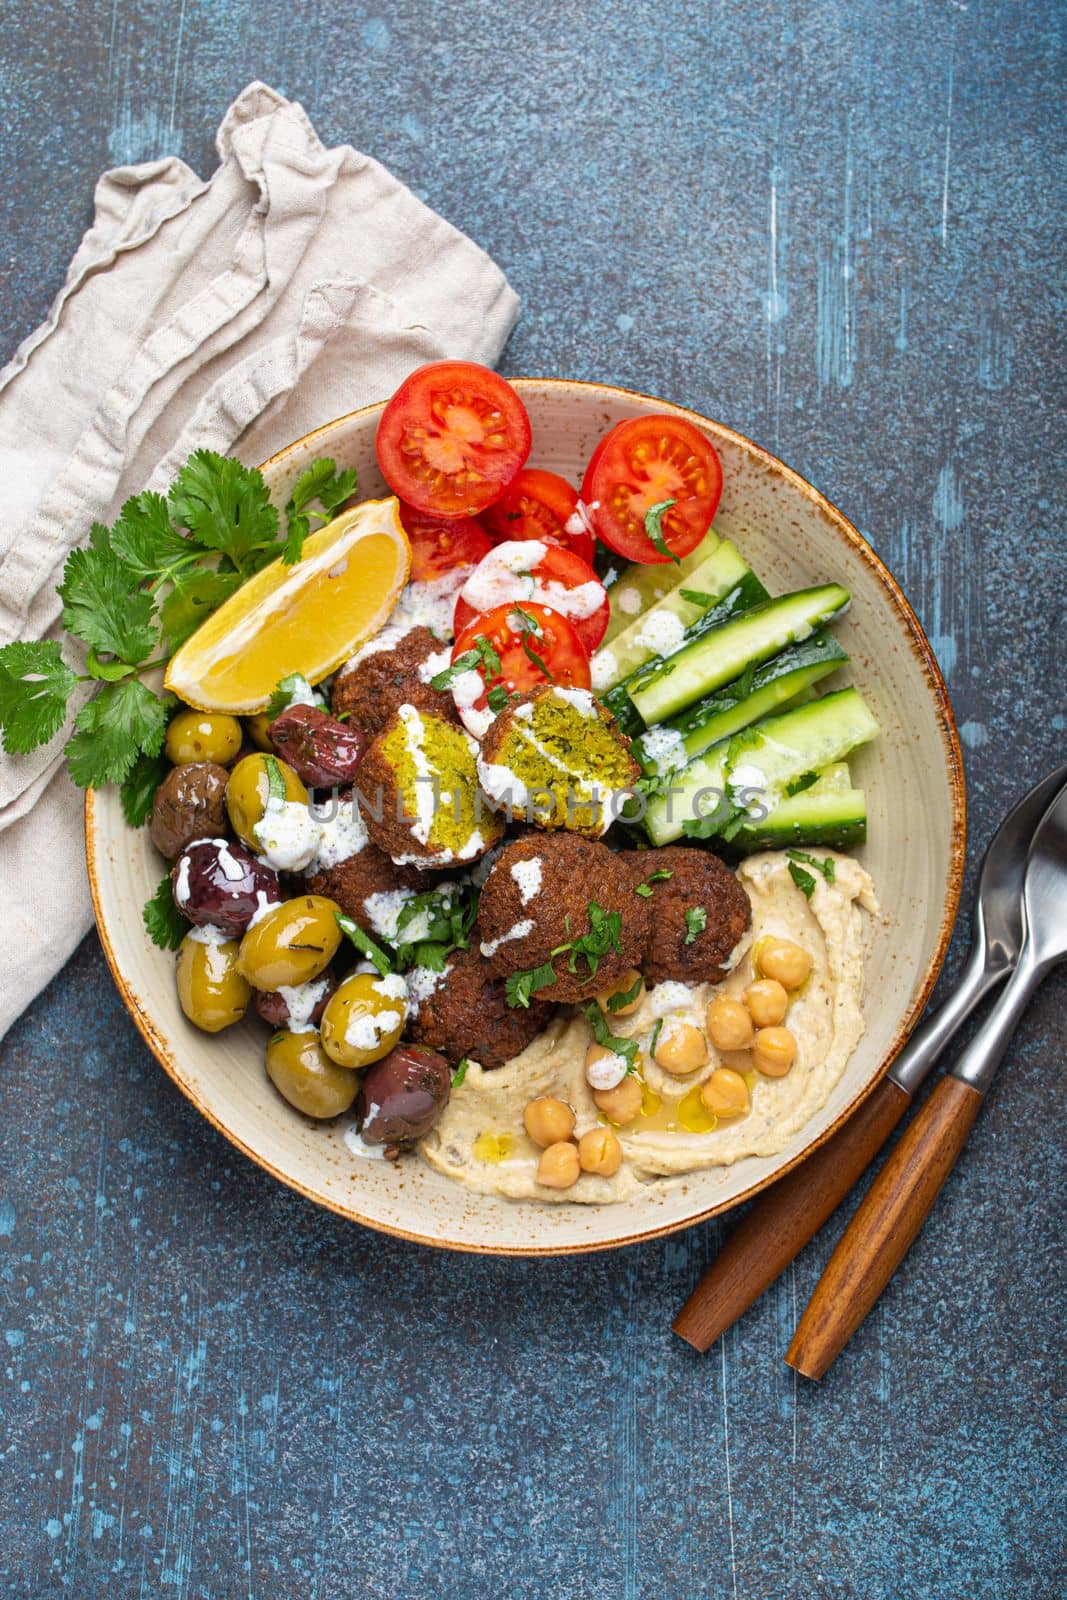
834 227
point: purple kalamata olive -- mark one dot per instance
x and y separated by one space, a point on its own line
323 751
190 804
219 882
315 994
403 1095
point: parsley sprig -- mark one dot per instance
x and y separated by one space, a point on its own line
615 1042
696 920
481 654
135 593
603 938
804 880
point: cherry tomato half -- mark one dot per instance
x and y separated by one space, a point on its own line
637 465
452 438
527 569
540 505
441 544
524 639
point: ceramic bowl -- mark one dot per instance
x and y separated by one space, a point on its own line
913 776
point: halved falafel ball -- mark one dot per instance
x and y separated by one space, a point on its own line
556 758
463 1011
382 680
540 894
419 786
698 914
365 886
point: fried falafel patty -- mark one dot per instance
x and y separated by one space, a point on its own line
538 896
557 758
383 679
419 786
688 948
367 886
463 1011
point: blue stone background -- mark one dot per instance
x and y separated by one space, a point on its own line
835 227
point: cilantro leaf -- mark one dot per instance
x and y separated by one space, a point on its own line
461 1071
798 785
625 997
146 541
226 506
444 917
480 654
803 880
604 936
322 482
626 1048
365 944
103 606
35 685
521 986
825 866
139 787
195 594
696 920
163 922
645 889
113 729
654 529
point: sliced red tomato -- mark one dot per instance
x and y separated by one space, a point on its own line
540 505
533 645
452 438
532 569
441 544
638 465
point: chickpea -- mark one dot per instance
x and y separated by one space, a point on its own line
789 963
559 1166
599 1151
257 731
774 1052
621 1104
725 1094
767 1002
202 736
681 1048
624 985
363 1019
729 1024
604 1068
548 1121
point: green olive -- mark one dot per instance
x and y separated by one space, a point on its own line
292 944
257 730
203 736
248 791
300 1069
364 1019
211 991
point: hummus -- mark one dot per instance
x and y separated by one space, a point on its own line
481 1143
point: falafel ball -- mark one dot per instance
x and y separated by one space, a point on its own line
681 948
365 884
539 895
371 691
464 1011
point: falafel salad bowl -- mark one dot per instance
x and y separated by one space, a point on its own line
523 816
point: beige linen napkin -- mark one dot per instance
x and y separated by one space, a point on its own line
296 284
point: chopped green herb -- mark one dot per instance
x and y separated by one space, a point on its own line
625 997
365 944
163 922
480 654
521 986
653 1038
447 915
798 785
825 866
282 697
604 936
460 1072
696 920
645 889
803 880
654 529
697 597
497 698
275 781
626 1048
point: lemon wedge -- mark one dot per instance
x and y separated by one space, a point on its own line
305 618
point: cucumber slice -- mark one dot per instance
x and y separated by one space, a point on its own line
742 597
661 626
830 815
757 693
714 654
758 765
650 584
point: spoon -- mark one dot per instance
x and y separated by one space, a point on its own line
791 1212
897 1204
